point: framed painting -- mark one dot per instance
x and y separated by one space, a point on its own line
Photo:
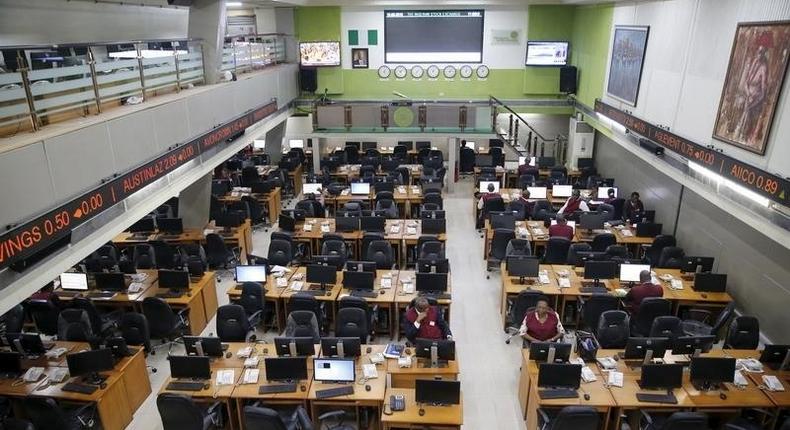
625 66
755 74
359 58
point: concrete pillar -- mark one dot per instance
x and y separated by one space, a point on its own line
207 21
194 203
453 152
274 142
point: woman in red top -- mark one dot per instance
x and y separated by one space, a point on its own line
542 325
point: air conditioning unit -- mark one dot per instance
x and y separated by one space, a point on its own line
581 141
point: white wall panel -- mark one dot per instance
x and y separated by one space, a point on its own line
79 161
25 175
133 140
171 124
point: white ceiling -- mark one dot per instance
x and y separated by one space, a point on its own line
247 4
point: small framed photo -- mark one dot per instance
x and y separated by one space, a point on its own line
359 58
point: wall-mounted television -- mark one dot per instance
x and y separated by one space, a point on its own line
319 54
547 53
433 36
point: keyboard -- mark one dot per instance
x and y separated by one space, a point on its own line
79 388
185 386
314 292
593 290
558 393
657 398
279 388
335 392
101 294
169 236
364 293
438 295
68 293
170 295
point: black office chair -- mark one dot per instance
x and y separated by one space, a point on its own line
653 252
380 252
233 324
541 205
135 331
44 314
574 253
671 258
557 178
754 419
525 181
101 324
352 154
303 323
280 252
253 300
601 241
45 413
333 244
697 323
525 300
467 160
180 412
666 326
218 254
744 333
14 319
675 421
389 207
104 258
556 250
9 423
591 308
164 323
607 210
497 252
257 211
434 197
74 326
569 418
649 309
613 329
249 175
193 252
144 256
494 204
616 252
405 175
165 254
497 155
430 247
352 322
353 209
516 247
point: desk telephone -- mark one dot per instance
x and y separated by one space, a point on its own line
135 287
397 403
59 375
250 376
772 383
33 374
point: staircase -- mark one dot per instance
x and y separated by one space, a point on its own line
521 137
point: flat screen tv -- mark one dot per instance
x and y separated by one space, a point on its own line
546 53
433 36
319 54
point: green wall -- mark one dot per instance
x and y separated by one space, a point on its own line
547 23
590 49
321 23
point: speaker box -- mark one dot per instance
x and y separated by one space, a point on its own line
651 146
308 80
179 2
568 79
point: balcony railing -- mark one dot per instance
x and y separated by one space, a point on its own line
251 52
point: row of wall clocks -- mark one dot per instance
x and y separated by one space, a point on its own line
433 71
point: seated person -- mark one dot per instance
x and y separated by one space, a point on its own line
610 197
633 206
47 292
426 322
645 289
542 324
529 206
574 203
487 196
561 229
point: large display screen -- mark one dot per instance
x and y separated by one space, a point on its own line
547 53
435 36
318 54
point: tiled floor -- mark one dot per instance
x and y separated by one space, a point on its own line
489 367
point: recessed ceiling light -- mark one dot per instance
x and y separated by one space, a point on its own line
233 3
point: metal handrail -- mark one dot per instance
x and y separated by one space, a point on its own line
98 43
494 100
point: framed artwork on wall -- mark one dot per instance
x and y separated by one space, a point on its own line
359 58
625 66
755 74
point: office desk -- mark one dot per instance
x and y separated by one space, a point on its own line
512 175
330 296
134 377
600 399
201 301
349 172
404 377
272 200
214 393
402 298
688 297
312 231
412 233
407 198
385 297
534 231
245 394
272 296
359 399
121 299
511 287
435 417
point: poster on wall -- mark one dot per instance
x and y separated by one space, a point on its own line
756 71
625 68
359 58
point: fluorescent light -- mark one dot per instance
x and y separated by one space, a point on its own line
146 53
739 189
258 143
233 3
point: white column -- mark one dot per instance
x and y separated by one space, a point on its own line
207 21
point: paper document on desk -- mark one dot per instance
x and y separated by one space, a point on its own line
56 352
251 362
296 285
620 292
225 377
139 277
401 189
308 227
626 233
538 231
250 376
395 229
324 228
411 230
739 380
564 282
386 282
676 284
543 277
244 352
615 379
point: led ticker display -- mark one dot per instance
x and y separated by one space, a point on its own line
41 232
746 175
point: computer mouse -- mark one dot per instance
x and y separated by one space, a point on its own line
407 351
103 385
586 396
368 350
382 291
367 387
265 350
615 357
206 386
421 412
328 293
722 396
228 354
302 388
704 296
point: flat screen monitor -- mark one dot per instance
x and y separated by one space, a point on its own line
356 145
74 281
547 53
435 226
112 281
360 189
296 143
333 370
546 162
539 351
536 192
603 192
173 279
203 346
637 347
504 219
10 363
774 356
89 362
220 187
286 222
369 145
311 188
145 225
648 229
331 347
319 54
361 266
285 368
445 349
228 220
561 190
262 187
484 186
661 376
433 214
303 346
30 343
346 224
433 36
523 266
484 160
469 144
437 392
422 145
251 274
170 225
320 274
372 223
630 272
559 375
408 144
710 282
696 264
383 184
582 163
591 220
358 280
711 370
190 367
425 282
427 265
691 344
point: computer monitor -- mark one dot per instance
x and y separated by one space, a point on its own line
312 188
294 346
504 219
203 346
522 266
646 348
696 264
358 280
360 189
10 363
383 185
356 145
692 345
320 274
170 225
661 376
433 214
430 282
90 363
112 281
708 372
598 270
630 272
74 281
346 224
437 351
251 274
546 162
341 347
469 144
422 144
369 145
333 370
648 229
537 192
582 163
220 187
556 375
561 190
437 392
407 143
427 265
285 368
434 226
496 143
286 223
591 220
644 216
228 220
484 160
603 192
262 187
361 266
190 367
550 352
25 343
173 279
484 186
776 357
145 225
295 143
331 260
372 223
710 282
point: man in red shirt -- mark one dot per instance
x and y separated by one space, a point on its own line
426 322
542 324
645 289
561 229
487 196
